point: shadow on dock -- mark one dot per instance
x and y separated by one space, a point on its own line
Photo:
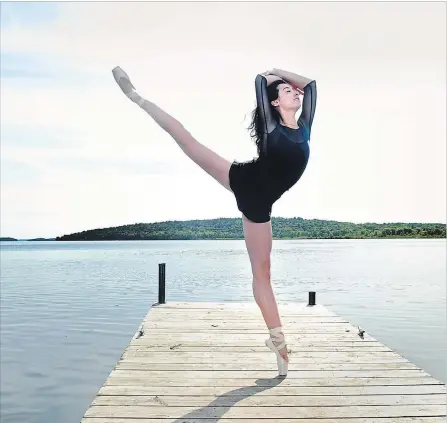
216 409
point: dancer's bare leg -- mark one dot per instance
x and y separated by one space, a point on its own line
208 160
258 239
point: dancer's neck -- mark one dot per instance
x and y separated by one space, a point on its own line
288 119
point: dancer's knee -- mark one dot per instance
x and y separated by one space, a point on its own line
261 271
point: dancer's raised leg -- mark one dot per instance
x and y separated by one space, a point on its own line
208 160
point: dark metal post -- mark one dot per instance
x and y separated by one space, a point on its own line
311 298
161 283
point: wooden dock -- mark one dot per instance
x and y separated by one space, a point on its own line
206 362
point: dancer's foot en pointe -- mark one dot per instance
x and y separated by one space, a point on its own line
126 86
277 344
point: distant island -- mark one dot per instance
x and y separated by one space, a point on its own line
283 228
40 239
34 239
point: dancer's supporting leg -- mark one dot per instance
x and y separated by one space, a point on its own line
258 239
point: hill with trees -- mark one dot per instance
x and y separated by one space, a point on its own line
283 228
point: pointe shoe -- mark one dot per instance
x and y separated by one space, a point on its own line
276 343
123 80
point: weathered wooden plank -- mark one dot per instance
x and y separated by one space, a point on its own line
263 412
237 305
240 338
262 366
274 390
342 346
266 401
242 316
267 419
301 330
168 380
252 311
175 356
253 374
285 319
244 326
217 327
284 310
248 316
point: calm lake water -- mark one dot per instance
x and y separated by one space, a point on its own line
69 309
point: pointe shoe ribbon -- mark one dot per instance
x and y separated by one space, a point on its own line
277 337
276 342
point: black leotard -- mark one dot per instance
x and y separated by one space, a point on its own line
283 157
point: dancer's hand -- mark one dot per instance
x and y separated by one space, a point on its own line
275 74
270 77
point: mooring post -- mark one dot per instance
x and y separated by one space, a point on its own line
161 283
311 298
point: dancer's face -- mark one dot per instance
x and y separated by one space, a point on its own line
288 98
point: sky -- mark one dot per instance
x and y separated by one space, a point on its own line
76 154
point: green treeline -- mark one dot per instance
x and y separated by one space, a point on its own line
283 228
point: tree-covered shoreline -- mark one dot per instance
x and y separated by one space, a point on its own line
283 228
